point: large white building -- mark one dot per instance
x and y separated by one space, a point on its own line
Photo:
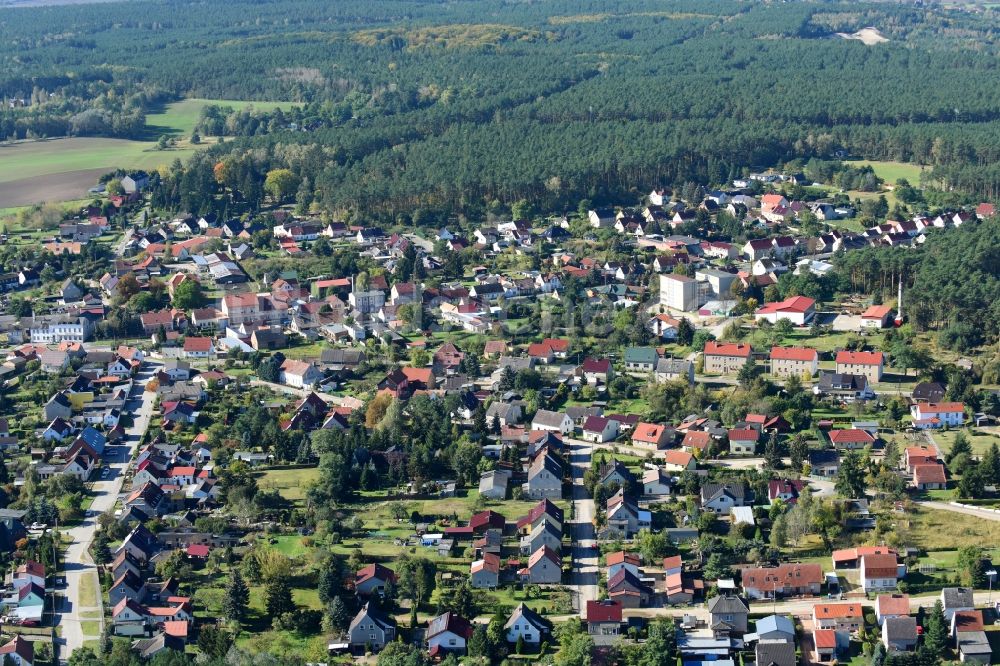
678 292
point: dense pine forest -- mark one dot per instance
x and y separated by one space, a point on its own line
444 108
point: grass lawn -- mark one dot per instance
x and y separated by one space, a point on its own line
979 439
91 628
890 172
289 544
290 482
88 590
933 530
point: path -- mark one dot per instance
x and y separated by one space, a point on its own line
984 513
583 538
78 565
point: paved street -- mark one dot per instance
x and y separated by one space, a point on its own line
583 539
79 567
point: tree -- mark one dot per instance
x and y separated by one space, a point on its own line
652 545
213 641
188 295
330 583
337 615
660 649
936 630
281 184
798 451
278 597
237 598
851 477
685 332
970 564
772 453
575 650
747 373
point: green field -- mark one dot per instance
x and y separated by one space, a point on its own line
890 172
62 169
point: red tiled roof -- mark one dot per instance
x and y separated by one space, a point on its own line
893 604
825 638
799 304
604 611
727 349
851 436
793 354
931 473
859 357
835 611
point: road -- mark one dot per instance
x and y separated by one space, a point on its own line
584 542
985 514
77 562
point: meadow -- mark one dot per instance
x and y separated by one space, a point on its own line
62 169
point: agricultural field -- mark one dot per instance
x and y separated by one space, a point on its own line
63 169
890 172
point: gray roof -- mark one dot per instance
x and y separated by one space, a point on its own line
523 612
710 491
974 642
673 366
957 597
728 604
900 628
548 418
781 653
773 623
373 614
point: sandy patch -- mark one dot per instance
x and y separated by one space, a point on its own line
867 36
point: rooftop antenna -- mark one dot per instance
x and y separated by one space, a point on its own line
899 303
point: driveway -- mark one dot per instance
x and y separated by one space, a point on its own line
581 528
73 609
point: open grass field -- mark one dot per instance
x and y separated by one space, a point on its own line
979 438
933 530
291 483
890 172
61 169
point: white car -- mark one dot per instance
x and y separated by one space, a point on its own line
38 526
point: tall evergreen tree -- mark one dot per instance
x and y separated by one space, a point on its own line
237 598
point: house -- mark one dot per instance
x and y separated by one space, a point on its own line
604 618
891 605
552 421
527 625
371 629
729 615
880 572
624 518
797 309
965 621
57 431
670 369
601 218
655 482
782 581
850 438
929 477
373 579
544 511
485 573
918 455
127 586
937 414
928 392
679 461
899 634
775 653
846 387
596 371
599 429
542 534
622 561
725 358
956 599
447 633
850 558
129 618
785 490
869 364
652 436
506 413
802 362
840 617
544 477
58 406
829 643
544 566
678 292
641 359
615 472
721 497
626 588
298 374
20 651
198 347
743 441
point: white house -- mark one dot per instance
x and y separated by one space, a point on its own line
937 414
552 421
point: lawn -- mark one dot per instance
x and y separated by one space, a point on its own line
979 439
890 172
88 590
61 169
933 530
290 482
91 628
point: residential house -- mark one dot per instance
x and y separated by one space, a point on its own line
891 605
19 650
372 579
545 476
447 633
772 628
955 599
485 573
929 477
802 362
198 347
604 618
869 364
848 617
655 482
371 629
850 438
527 625
721 497
679 461
596 371
626 588
782 581
937 414
553 421
729 615
652 436
775 653
899 634
599 429
299 374
845 387
493 484
725 358
544 567
640 359
670 369
622 561
743 441
543 534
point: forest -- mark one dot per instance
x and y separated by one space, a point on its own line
445 108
